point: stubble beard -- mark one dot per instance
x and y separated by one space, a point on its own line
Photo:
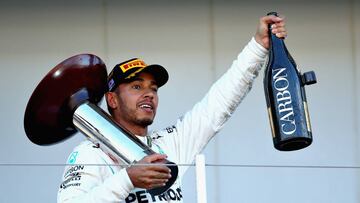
132 117
144 122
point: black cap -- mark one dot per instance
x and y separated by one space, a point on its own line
125 71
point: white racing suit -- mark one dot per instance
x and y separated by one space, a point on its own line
93 176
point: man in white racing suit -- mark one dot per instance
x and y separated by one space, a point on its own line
93 176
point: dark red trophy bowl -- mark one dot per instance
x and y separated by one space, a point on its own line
48 116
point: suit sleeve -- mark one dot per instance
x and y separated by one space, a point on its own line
207 117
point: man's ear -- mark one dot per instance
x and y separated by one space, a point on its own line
111 100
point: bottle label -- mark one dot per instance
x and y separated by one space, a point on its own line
284 101
307 116
271 123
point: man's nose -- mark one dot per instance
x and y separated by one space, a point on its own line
149 93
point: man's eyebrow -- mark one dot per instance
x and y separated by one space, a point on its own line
154 82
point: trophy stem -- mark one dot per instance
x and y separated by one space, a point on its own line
99 127
96 124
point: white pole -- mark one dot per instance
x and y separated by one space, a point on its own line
200 178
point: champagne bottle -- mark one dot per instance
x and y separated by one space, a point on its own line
285 97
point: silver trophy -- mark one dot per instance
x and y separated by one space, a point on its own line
65 101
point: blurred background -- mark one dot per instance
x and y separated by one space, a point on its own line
196 41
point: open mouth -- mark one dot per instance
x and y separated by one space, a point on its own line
147 107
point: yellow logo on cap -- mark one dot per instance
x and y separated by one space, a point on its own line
133 64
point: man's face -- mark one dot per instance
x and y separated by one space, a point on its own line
137 101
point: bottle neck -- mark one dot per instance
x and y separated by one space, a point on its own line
278 45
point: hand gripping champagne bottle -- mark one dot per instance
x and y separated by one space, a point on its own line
285 97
